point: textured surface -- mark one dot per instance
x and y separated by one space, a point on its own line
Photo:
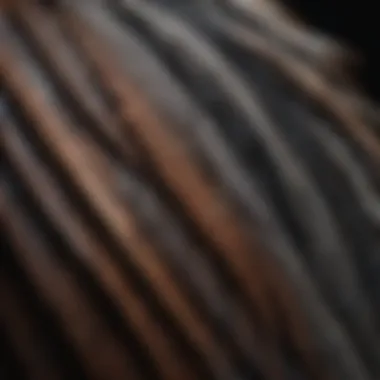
189 190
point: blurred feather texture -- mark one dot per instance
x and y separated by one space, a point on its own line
189 190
